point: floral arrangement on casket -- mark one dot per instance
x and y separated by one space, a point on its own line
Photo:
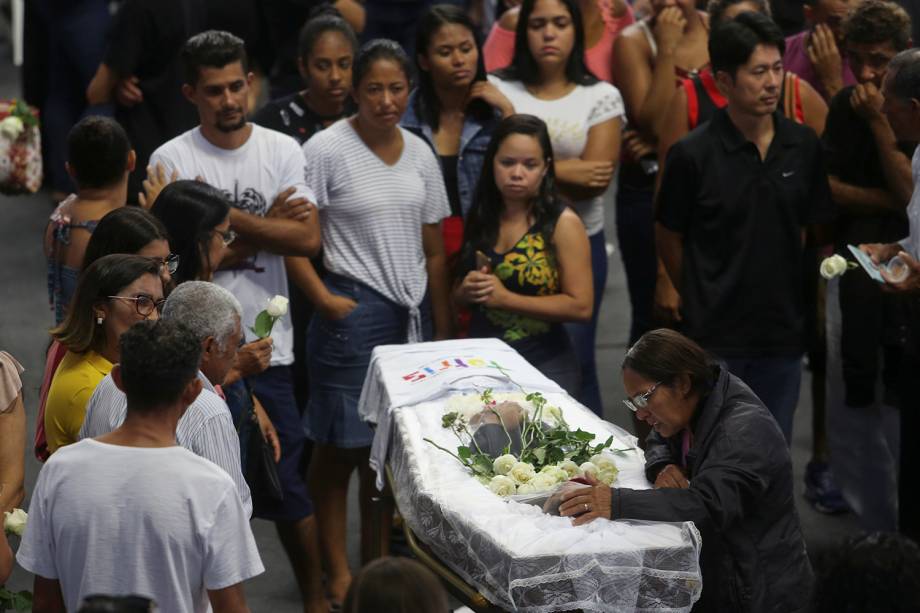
540 449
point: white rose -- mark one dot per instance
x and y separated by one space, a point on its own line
277 306
603 462
543 482
608 475
521 472
14 521
11 127
588 469
556 473
502 485
526 488
502 464
570 467
833 266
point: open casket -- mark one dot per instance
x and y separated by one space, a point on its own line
515 555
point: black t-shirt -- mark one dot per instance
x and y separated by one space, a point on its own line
293 117
741 219
852 156
144 41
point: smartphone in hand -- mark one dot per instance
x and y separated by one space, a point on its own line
483 261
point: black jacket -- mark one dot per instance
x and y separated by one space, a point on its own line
740 497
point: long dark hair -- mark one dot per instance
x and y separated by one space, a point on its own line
524 66
427 103
480 231
125 230
191 210
104 277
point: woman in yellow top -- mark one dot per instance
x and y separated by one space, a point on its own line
113 294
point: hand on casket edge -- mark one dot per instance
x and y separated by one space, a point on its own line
585 504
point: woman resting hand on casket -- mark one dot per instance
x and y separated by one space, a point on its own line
718 459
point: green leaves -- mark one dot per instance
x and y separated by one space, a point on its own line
482 464
15 601
263 325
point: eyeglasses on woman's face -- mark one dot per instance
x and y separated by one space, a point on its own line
640 401
144 304
170 263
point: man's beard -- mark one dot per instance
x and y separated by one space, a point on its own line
232 127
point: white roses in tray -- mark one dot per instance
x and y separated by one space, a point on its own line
547 450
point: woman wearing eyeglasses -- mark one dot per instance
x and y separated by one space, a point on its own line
113 294
127 229
197 219
718 459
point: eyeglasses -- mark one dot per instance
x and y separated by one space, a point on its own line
640 401
143 304
170 263
228 237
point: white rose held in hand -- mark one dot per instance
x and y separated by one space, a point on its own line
522 472
502 485
14 522
11 127
833 266
502 464
276 308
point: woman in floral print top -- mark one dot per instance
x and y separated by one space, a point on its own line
525 265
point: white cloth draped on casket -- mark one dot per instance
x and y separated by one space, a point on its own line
517 556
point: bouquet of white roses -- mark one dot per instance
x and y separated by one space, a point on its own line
540 449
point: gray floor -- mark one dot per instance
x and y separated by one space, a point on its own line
24 318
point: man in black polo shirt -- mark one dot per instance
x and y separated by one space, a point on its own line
735 199
871 184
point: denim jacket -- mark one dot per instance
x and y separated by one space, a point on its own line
474 139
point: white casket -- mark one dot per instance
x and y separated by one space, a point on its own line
515 555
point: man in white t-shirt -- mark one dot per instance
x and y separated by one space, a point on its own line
131 512
262 173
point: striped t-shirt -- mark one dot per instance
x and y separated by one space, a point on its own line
372 213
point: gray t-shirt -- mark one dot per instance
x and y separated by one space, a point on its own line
372 213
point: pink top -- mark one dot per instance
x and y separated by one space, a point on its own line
796 60
499 46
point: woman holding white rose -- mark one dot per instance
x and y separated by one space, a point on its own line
718 459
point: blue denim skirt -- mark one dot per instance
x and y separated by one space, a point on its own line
339 352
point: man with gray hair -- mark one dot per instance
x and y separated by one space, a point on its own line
902 106
213 315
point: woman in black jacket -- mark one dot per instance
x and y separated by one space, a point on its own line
718 459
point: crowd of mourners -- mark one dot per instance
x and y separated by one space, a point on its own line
406 172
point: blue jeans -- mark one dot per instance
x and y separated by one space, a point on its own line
776 381
636 235
339 353
584 335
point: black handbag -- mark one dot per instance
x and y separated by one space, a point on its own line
261 470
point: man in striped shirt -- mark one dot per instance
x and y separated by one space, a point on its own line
206 428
